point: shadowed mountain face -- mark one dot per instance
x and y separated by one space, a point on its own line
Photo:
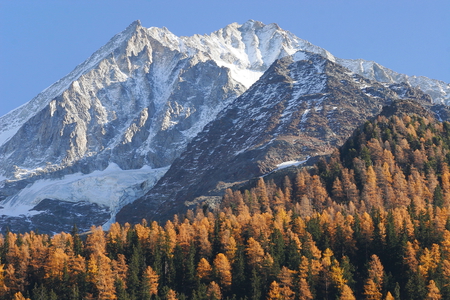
303 106
108 131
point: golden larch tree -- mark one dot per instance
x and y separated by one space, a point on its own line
171 295
19 296
285 279
56 262
222 270
204 269
255 253
274 292
433 291
389 296
104 278
376 270
370 193
346 293
371 290
96 242
262 196
304 292
410 257
202 239
151 280
213 291
120 268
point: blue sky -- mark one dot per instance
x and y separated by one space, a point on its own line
41 41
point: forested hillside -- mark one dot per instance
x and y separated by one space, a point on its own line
370 222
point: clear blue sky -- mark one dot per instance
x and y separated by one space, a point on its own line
43 40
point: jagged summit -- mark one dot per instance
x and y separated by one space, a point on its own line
136 23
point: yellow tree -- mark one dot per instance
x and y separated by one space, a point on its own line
429 260
320 194
304 291
433 291
371 290
18 258
376 270
13 283
77 265
150 281
222 270
278 200
3 287
285 278
230 246
261 193
204 269
287 190
105 281
337 276
101 275
255 253
185 235
346 293
445 178
56 262
301 183
349 187
213 291
370 193
96 242
144 232
400 186
204 245
38 251
171 235
172 295
410 257
120 268
389 296
374 283
446 270
306 208
19 296
337 191
274 292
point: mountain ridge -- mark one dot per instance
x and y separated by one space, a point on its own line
136 103
304 106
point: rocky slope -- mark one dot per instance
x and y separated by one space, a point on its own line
303 106
134 104
109 130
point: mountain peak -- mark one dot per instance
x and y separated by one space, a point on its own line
135 24
253 24
139 100
133 27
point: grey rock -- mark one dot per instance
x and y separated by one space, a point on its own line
297 110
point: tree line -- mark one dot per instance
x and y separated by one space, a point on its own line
370 222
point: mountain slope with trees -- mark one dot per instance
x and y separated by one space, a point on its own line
370 222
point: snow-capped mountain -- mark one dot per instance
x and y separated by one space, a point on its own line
106 132
304 106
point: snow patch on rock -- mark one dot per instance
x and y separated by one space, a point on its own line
112 188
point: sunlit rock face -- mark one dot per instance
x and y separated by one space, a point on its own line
108 131
303 107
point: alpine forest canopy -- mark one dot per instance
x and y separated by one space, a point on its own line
370 222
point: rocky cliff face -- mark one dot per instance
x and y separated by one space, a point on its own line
303 106
133 105
109 130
